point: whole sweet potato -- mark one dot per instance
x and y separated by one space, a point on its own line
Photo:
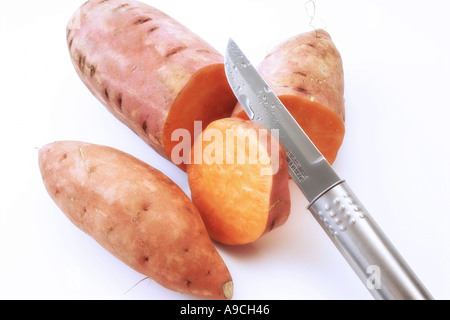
150 71
137 214
307 75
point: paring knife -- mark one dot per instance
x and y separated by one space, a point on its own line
332 203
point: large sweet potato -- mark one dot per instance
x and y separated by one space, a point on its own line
151 72
137 214
307 75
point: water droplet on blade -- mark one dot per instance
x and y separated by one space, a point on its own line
245 101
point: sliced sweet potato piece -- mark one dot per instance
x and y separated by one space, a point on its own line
239 200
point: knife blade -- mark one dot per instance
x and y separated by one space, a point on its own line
331 201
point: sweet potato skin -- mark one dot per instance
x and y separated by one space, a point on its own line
136 59
137 214
309 66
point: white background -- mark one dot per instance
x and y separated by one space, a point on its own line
394 156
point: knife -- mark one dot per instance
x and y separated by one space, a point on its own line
331 201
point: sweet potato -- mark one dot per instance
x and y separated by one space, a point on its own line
137 214
239 200
150 71
306 73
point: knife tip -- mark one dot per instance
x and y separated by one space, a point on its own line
230 44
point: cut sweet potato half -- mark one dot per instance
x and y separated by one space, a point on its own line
307 75
151 72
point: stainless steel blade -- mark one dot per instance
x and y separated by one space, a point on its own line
332 203
307 166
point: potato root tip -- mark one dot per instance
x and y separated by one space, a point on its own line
228 289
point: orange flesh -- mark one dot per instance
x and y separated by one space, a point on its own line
206 97
324 128
233 199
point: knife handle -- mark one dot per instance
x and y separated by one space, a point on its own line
365 247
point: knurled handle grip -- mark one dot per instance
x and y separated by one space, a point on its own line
365 247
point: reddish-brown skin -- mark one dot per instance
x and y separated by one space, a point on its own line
137 214
309 66
136 60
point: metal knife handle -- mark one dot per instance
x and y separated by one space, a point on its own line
365 247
